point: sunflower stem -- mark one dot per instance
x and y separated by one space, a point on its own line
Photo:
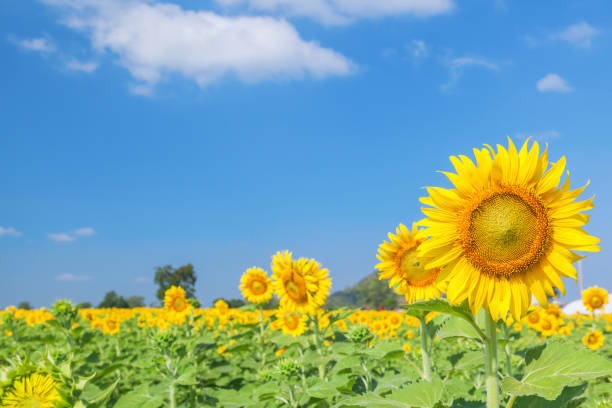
261 337
511 401
425 349
491 362
317 337
172 397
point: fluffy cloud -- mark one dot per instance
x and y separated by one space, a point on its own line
60 237
76 65
553 83
578 34
10 231
68 277
458 66
72 235
35 44
334 12
155 40
418 49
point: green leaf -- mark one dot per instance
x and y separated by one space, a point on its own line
559 365
568 395
422 394
99 397
139 397
443 306
458 327
322 390
187 378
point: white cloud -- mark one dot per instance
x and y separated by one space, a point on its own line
457 67
35 44
332 12
10 231
155 40
540 136
85 231
418 49
76 65
60 237
72 235
142 279
553 83
579 34
68 277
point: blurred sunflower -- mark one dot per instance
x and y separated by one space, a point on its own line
292 323
405 270
175 302
506 231
548 325
34 390
595 298
255 286
594 339
301 285
110 325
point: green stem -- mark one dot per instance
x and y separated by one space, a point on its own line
425 349
491 363
511 401
172 398
318 345
261 337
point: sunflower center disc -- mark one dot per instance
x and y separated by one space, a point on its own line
179 305
413 270
258 287
292 322
296 288
506 232
595 301
546 325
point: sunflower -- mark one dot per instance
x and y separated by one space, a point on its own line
548 325
175 302
405 270
111 325
506 231
595 298
34 390
594 339
255 286
292 323
301 285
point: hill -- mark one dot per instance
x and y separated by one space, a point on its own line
369 292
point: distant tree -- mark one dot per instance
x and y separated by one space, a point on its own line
112 299
85 305
135 301
166 276
24 305
370 292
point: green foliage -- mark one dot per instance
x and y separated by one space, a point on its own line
370 292
112 299
24 305
184 276
559 365
233 303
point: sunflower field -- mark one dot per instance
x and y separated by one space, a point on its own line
470 334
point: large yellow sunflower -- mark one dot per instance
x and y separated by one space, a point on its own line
301 285
35 390
405 270
595 298
175 302
255 286
506 231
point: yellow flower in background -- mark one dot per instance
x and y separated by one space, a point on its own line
111 325
175 302
407 348
518 327
32 391
595 298
506 231
280 351
301 285
548 325
255 285
594 339
533 318
405 270
292 323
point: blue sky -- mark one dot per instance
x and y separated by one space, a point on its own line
142 133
